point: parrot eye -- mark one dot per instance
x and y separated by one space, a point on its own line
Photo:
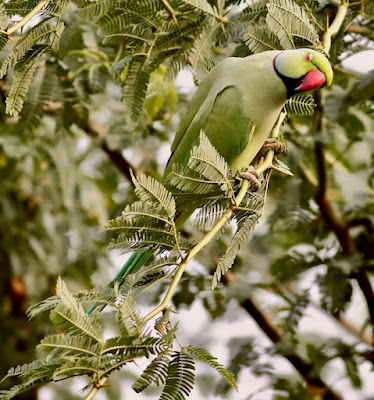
309 57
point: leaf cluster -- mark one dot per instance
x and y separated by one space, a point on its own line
27 52
280 24
82 349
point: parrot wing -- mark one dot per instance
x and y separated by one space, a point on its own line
223 121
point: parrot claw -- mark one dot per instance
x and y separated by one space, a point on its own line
252 176
271 144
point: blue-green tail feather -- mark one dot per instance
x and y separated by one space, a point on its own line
133 264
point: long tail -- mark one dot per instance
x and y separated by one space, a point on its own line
135 261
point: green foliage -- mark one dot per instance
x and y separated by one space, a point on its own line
155 372
85 83
205 356
181 377
336 290
286 26
247 217
81 350
300 105
26 54
148 223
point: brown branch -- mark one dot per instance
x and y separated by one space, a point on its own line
305 369
337 317
115 156
119 161
330 216
361 30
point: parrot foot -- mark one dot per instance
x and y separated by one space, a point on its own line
271 144
252 176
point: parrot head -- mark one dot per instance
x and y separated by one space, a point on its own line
302 70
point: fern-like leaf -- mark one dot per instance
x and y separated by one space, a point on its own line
3 41
149 189
110 363
3 17
141 242
67 297
77 323
22 370
45 305
135 87
180 377
144 225
288 20
300 105
97 8
260 38
367 9
42 92
39 34
189 181
81 366
204 6
199 54
240 237
129 315
254 11
23 74
101 295
71 345
206 160
205 356
246 217
140 215
20 7
134 346
208 215
155 372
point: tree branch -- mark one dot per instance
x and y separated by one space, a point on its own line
115 156
25 19
273 333
361 30
98 385
120 162
171 11
329 215
346 324
209 236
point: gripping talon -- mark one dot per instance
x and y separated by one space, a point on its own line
271 144
252 176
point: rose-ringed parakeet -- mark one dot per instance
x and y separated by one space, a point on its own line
236 106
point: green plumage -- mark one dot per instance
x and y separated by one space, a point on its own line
234 109
236 106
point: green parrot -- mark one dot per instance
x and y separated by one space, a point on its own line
236 106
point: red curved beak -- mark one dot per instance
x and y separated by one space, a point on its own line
312 80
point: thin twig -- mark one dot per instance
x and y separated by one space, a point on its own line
361 30
26 18
171 10
98 385
334 28
115 156
330 216
209 236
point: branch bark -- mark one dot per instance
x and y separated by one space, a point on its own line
26 19
305 369
115 156
329 215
